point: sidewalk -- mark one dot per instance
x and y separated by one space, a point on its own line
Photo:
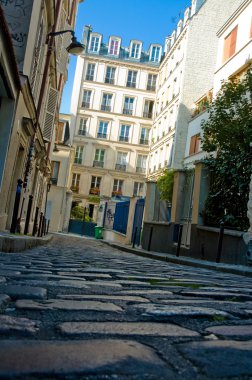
17 243
241 270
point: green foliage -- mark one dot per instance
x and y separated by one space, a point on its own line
228 132
165 185
77 212
94 199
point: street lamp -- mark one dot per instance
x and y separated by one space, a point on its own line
75 47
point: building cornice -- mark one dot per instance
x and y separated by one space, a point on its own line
234 16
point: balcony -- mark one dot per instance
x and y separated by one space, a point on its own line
75 188
123 138
82 132
151 88
109 80
105 108
147 115
101 135
85 105
89 77
131 84
98 164
144 142
140 169
121 167
94 191
116 193
127 111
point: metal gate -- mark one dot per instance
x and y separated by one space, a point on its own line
121 217
137 224
81 228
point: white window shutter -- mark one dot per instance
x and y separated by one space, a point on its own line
50 113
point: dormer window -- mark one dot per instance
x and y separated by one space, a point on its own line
95 43
173 36
114 46
155 53
186 15
179 27
135 49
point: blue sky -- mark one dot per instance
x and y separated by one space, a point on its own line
147 20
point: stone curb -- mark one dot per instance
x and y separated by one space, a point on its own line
13 243
226 268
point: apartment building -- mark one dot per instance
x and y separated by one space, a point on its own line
113 109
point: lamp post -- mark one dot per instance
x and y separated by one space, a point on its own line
75 47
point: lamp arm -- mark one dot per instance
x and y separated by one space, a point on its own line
53 34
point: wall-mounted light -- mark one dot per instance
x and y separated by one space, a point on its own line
75 47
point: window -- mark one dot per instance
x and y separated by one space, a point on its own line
131 81
114 47
135 50
99 158
94 44
124 133
141 163
75 182
110 75
106 102
138 189
148 109
117 187
78 154
60 132
95 185
103 130
151 84
144 137
128 106
86 99
55 172
230 44
90 71
121 161
155 53
82 127
194 144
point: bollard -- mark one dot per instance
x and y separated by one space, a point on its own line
47 228
220 242
16 207
35 224
44 226
179 239
27 221
134 238
40 225
150 238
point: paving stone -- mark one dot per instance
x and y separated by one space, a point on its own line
4 298
8 273
147 291
239 330
60 283
219 359
67 305
2 280
120 328
249 312
123 357
103 270
171 311
10 324
19 291
102 297
88 275
217 295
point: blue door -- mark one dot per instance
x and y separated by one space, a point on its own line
121 217
138 219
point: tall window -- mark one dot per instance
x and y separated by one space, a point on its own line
90 71
124 133
155 54
110 75
117 187
121 161
94 44
75 182
86 99
148 109
151 84
138 189
141 163
103 130
78 154
95 185
106 102
55 172
99 158
131 81
194 144
144 137
135 50
114 47
82 127
230 44
128 106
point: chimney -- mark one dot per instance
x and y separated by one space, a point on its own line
86 34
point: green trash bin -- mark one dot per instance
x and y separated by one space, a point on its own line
98 232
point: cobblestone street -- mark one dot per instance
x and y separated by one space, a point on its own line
77 308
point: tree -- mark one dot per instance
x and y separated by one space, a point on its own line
77 212
227 137
165 185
